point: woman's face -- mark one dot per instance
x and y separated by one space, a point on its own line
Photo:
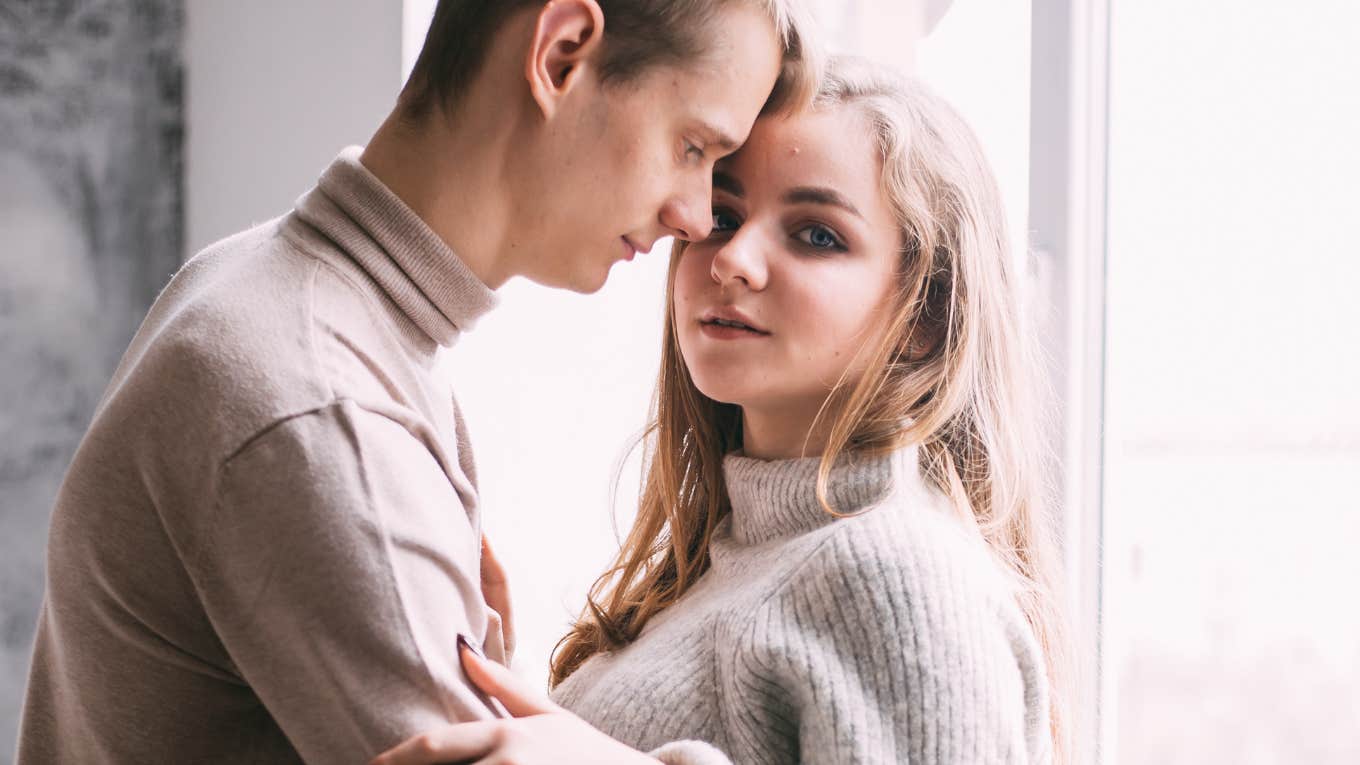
798 272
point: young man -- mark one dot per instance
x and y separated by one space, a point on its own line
267 545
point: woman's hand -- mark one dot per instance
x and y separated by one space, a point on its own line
539 731
496 593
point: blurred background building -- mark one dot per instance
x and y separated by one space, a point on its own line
1181 180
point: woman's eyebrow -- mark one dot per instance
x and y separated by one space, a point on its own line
820 196
724 182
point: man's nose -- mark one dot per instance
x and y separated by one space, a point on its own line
689 216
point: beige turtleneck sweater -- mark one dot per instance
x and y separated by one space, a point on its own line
890 636
268 540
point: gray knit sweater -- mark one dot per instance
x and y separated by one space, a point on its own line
889 636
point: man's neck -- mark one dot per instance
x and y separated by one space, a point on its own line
450 178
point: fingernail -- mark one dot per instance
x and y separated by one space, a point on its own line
495 706
463 642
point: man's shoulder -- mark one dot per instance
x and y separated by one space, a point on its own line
226 344
259 327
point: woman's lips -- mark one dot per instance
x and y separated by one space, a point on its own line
732 316
729 328
724 332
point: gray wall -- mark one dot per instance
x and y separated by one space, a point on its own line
90 229
274 91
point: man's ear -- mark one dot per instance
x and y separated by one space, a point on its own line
568 32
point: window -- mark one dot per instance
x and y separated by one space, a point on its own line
1233 383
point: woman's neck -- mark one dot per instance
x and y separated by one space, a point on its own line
785 433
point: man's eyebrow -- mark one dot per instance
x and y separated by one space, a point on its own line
724 182
720 138
819 196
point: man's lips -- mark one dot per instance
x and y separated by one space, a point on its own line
630 249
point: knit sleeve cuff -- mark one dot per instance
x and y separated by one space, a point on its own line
690 753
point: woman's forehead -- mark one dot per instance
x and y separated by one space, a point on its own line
828 147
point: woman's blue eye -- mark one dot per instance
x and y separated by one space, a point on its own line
693 152
820 237
724 221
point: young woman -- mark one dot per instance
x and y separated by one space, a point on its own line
840 555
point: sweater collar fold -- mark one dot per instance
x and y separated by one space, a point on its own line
773 499
417 270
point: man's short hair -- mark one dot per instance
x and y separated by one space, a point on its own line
639 35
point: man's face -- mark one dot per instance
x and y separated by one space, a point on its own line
627 164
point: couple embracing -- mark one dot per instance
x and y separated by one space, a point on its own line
268 546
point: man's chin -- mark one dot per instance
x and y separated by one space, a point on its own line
582 270
587 282
581 282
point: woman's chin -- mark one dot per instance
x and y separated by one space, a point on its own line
723 394
727 391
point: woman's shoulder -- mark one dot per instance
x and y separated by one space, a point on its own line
918 528
905 582
913 553
902 609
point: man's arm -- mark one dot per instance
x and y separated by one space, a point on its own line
338 568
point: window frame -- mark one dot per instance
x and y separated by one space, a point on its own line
1069 113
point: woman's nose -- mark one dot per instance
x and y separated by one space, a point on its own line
741 259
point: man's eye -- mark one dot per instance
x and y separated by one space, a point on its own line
820 237
693 152
724 220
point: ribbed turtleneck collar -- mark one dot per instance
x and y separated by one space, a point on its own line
773 499
352 208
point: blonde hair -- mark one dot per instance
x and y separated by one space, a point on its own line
953 374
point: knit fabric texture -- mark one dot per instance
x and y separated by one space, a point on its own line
887 636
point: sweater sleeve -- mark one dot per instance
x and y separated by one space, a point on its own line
338 569
870 655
